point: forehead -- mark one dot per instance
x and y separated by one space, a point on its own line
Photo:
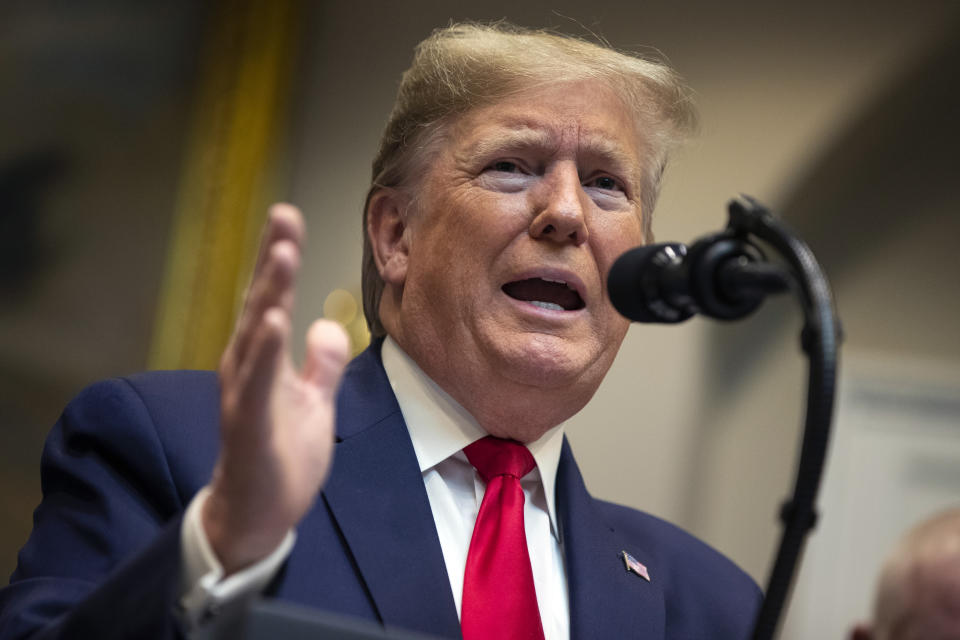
585 118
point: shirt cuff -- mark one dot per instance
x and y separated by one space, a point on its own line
204 593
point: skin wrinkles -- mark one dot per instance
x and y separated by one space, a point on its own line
523 138
517 369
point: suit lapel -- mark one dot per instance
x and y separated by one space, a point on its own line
377 497
606 601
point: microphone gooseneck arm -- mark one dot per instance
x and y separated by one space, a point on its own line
725 276
820 340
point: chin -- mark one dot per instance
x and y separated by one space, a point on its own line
551 362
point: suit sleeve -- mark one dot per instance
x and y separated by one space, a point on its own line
103 558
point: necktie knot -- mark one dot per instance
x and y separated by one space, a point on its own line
493 457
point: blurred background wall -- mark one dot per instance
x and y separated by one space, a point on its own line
842 118
93 119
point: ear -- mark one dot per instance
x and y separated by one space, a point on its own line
387 230
861 632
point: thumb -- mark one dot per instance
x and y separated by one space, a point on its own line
328 350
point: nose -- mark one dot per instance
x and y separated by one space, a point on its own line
560 205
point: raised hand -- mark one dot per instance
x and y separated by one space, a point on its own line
276 423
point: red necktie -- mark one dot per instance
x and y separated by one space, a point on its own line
499 599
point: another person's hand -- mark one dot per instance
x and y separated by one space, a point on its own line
276 423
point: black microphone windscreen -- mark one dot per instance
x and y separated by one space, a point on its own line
625 283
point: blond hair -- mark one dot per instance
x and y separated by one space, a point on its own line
465 66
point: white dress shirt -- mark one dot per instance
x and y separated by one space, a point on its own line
439 429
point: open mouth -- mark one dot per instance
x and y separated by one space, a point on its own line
545 293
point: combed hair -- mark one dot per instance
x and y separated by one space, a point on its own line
465 66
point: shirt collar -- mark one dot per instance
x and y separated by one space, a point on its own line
439 427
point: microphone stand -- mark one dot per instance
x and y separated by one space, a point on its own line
820 339
725 277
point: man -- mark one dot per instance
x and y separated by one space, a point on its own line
515 168
918 595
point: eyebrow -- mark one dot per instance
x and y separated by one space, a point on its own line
520 136
514 137
613 153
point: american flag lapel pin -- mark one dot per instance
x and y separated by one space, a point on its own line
631 564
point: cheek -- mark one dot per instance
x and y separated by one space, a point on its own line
486 223
615 329
612 238
608 256
621 324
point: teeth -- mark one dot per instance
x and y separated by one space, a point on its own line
556 281
546 305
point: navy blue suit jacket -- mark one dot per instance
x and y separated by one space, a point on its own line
127 456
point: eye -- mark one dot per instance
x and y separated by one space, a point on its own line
504 166
605 182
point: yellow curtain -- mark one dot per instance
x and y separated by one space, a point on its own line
227 181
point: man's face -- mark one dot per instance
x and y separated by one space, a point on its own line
515 225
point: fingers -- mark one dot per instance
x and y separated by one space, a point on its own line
272 287
284 222
328 350
272 274
266 354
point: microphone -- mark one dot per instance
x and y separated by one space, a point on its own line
719 276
